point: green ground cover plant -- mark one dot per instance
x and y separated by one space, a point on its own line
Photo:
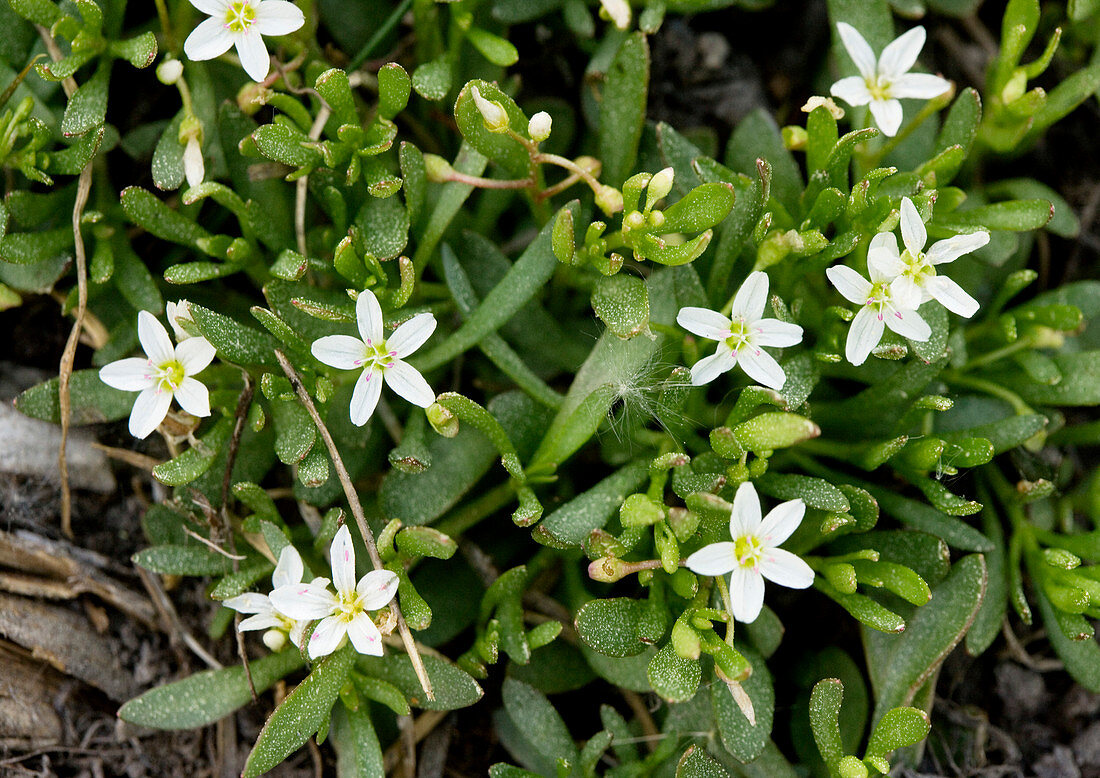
670 394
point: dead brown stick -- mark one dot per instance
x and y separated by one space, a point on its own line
360 518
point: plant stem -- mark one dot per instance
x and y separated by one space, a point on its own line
360 518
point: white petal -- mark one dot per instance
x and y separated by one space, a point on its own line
781 521
129 375
883 260
708 368
887 115
193 397
858 50
745 516
913 233
411 335
746 594
304 600
154 339
260 621
290 569
772 332
751 298
908 324
211 7
852 90
704 322
342 557
618 11
854 287
195 354
951 296
193 166
364 399
250 602
786 569
368 317
208 40
327 637
901 53
278 17
920 86
863 335
150 408
377 588
365 635
905 293
407 382
339 351
715 559
944 251
761 367
253 53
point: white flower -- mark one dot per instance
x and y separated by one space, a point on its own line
266 616
914 269
177 312
882 82
618 11
164 373
379 358
883 304
741 336
539 126
343 614
240 23
753 554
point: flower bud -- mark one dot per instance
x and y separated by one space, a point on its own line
179 312
274 639
494 115
439 170
607 569
442 420
659 186
618 11
539 126
169 71
633 221
609 199
193 166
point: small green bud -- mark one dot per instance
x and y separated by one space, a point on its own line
1015 87
438 169
795 137
852 767
492 112
169 72
442 420
608 569
539 126
609 199
659 187
655 219
274 639
633 221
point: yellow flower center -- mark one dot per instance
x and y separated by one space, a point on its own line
239 16
170 375
878 296
379 356
351 605
739 334
748 549
916 267
879 88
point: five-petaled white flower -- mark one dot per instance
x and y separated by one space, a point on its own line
344 614
379 357
753 554
882 82
166 372
884 305
741 336
266 616
240 23
914 269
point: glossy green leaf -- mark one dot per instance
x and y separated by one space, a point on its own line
622 303
623 109
619 627
91 400
453 688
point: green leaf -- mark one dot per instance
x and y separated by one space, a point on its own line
385 693
302 713
453 688
139 51
1080 385
898 728
1011 215
148 212
28 248
619 627
394 87
623 109
235 342
494 48
1081 657
674 678
742 739
92 401
284 144
1004 435
207 696
960 127
358 752
1064 223
334 87
705 206
196 460
432 80
825 703
757 137
183 560
773 430
622 303
695 763
537 721
295 432
815 492
927 519
497 146
87 107
571 523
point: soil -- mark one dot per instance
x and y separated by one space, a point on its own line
1011 712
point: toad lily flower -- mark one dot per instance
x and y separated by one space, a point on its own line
915 269
882 82
166 372
266 616
240 23
379 358
742 336
884 305
344 614
753 554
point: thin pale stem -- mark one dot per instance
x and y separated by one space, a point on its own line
360 518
